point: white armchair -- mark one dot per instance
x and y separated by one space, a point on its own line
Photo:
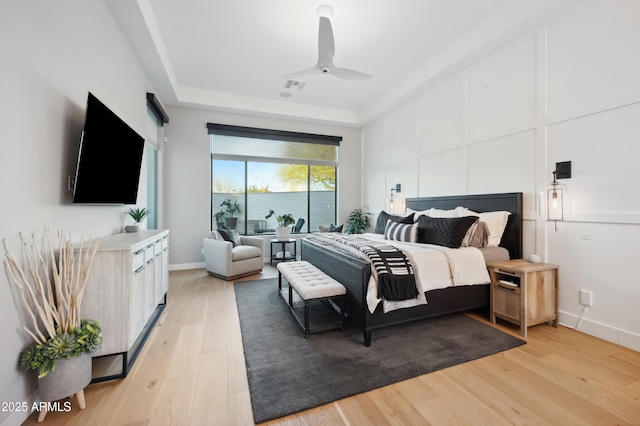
222 260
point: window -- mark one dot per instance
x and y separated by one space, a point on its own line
154 134
261 170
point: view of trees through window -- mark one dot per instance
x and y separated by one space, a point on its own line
287 177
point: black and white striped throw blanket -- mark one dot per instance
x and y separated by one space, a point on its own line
396 278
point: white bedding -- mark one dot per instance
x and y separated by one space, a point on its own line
436 267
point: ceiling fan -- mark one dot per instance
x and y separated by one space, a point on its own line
326 52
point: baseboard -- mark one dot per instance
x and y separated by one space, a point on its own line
18 417
183 266
601 331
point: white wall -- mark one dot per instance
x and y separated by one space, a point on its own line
566 92
52 54
188 174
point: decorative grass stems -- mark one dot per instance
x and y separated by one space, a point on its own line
52 295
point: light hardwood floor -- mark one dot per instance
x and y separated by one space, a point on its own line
191 372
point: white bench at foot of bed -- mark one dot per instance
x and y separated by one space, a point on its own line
311 284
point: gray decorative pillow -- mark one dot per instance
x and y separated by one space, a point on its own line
401 232
444 231
228 235
381 222
333 228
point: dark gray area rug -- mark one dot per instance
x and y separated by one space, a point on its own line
288 373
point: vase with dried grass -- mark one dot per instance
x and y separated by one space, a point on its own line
51 291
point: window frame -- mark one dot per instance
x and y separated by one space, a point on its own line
275 135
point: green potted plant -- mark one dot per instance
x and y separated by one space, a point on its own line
230 209
283 231
44 356
51 290
138 215
219 217
359 220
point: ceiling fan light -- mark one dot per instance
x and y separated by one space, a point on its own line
325 11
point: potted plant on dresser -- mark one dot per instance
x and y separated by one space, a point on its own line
138 215
283 231
51 291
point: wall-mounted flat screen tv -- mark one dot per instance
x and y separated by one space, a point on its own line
109 159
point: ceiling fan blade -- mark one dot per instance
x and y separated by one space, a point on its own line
297 74
326 52
326 44
347 74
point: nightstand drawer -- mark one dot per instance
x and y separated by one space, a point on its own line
507 301
499 271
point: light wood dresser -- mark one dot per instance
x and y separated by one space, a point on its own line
126 292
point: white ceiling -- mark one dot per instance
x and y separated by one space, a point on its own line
231 54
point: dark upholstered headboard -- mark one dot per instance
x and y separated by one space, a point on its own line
510 202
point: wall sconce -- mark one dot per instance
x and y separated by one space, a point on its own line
555 196
395 203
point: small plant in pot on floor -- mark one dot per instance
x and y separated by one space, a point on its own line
358 221
230 208
219 217
51 291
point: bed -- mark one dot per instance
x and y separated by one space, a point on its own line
354 272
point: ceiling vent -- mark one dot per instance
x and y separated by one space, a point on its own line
294 85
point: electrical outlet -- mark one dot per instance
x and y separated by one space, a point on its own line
71 182
586 233
586 297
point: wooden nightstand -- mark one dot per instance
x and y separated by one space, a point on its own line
524 293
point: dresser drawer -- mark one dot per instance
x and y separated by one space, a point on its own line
137 261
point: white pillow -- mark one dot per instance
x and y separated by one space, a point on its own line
442 213
496 222
417 213
432 213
